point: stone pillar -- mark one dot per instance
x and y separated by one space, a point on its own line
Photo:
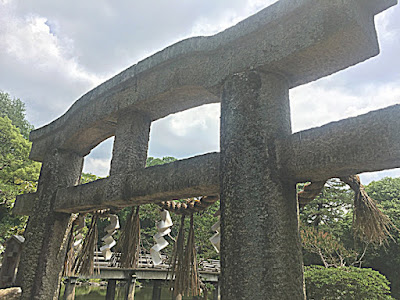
261 254
131 143
111 285
156 290
130 288
69 293
46 235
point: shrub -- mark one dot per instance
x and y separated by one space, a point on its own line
345 283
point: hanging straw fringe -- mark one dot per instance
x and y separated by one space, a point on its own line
310 192
191 278
177 264
84 263
129 241
184 263
70 256
369 222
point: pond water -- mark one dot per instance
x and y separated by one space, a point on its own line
99 293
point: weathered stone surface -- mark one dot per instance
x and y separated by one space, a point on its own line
260 248
130 144
46 233
24 204
13 293
366 143
181 179
324 37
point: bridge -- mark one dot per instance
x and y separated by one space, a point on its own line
209 271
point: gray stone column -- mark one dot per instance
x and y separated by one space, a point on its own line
260 249
131 143
47 232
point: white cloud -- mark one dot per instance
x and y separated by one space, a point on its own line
32 55
367 178
211 25
97 166
185 134
316 104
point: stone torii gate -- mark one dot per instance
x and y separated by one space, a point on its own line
249 68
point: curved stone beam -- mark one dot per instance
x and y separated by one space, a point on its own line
303 40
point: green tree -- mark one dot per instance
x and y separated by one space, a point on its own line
331 213
14 109
386 258
18 175
155 161
345 283
328 233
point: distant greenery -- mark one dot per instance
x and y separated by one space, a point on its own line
155 161
14 109
345 283
18 174
386 258
328 237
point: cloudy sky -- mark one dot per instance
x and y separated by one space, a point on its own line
52 52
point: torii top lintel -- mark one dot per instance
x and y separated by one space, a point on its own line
303 40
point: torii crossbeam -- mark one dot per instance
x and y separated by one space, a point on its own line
249 68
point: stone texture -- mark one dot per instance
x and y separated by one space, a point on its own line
186 178
260 248
366 143
46 234
324 37
131 143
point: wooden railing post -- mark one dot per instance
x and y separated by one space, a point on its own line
130 289
112 283
156 290
69 293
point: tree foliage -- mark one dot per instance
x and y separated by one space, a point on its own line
328 236
18 175
14 109
345 283
386 258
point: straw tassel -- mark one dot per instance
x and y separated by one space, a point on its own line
84 263
369 222
177 265
191 278
129 241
